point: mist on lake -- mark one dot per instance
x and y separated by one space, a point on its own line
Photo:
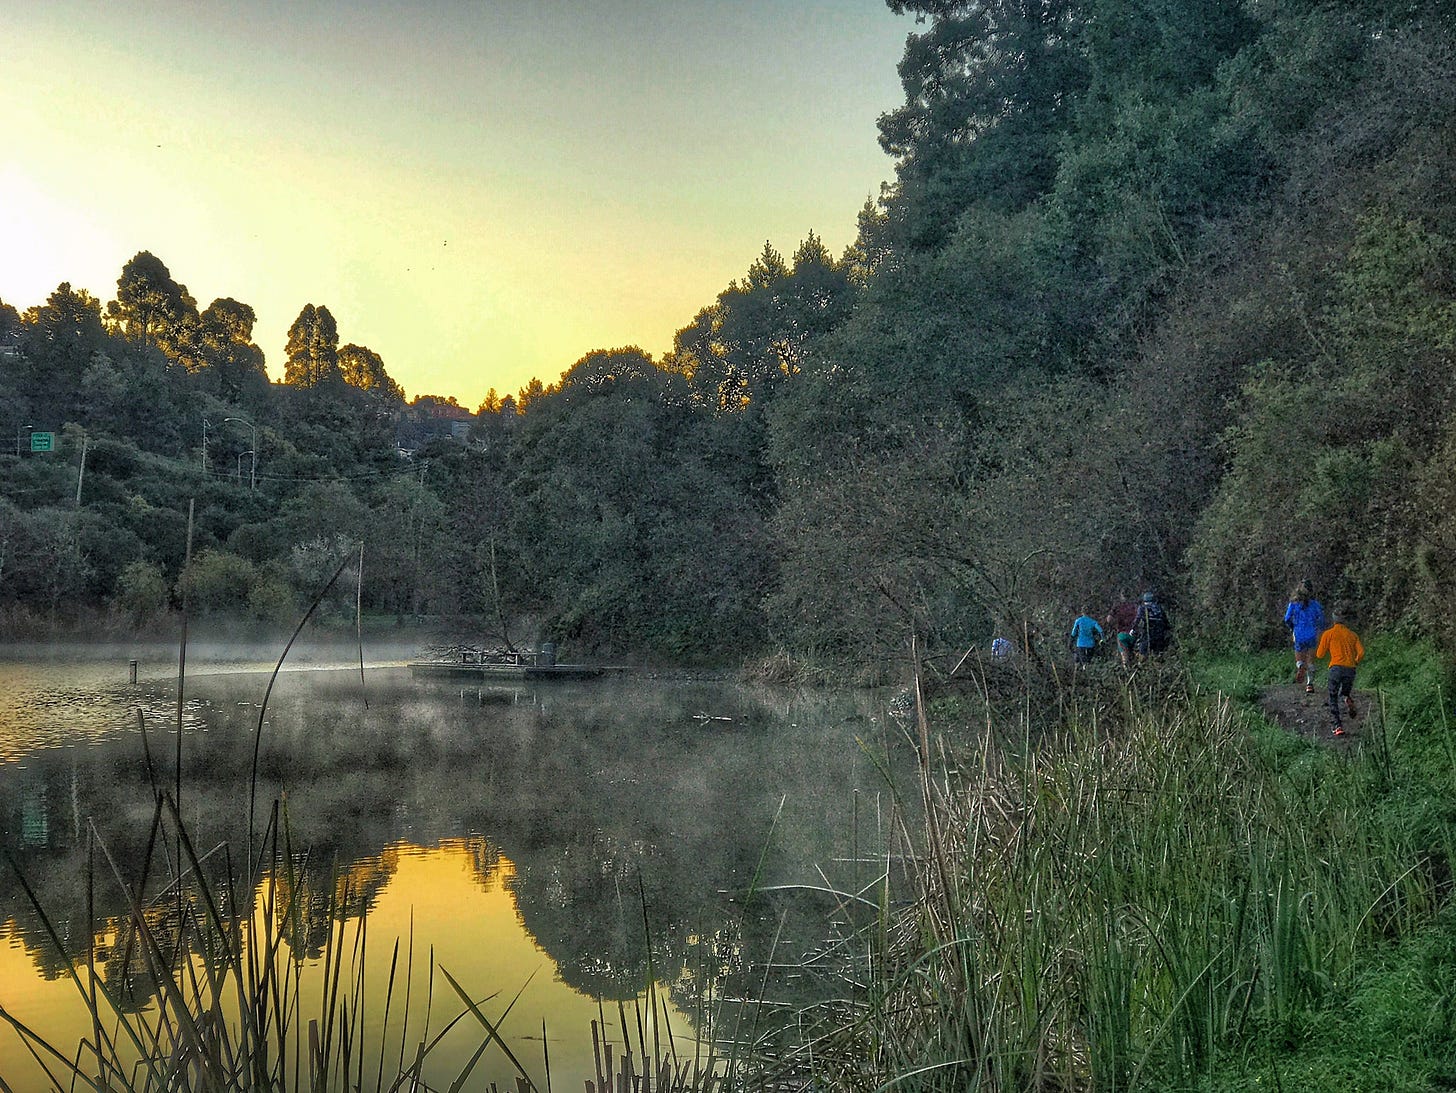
554 834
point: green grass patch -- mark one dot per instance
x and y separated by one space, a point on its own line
1168 893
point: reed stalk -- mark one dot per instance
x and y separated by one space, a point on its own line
1113 905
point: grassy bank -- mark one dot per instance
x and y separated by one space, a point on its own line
1165 892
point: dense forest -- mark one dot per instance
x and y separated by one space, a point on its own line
1163 293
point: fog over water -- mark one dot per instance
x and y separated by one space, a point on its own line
517 830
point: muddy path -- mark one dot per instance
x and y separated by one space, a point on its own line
1308 715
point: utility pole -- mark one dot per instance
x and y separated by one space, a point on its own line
81 474
205 424
253 470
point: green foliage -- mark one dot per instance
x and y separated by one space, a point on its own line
152 309
1359 510
632 535
1161 294
404 538
362 368
227 353
45 562
1151 899
271 599
217 581
1392 1027
60 337
141 591
989 88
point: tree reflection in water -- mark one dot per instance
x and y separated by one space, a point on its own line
614 816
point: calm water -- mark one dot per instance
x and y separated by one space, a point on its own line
515 832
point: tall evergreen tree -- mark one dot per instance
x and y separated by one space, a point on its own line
989 91
312 353
227 351
153 309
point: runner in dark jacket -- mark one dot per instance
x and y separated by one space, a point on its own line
1152 632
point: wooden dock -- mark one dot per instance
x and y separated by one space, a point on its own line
432 669
474 662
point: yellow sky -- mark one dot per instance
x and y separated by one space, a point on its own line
481 192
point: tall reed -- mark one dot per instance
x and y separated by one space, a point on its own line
216 989
221 951
229 986
1114 904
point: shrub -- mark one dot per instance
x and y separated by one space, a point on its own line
216 581
141 591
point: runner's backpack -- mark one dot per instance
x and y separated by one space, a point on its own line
1156 620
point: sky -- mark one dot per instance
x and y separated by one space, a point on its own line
481 192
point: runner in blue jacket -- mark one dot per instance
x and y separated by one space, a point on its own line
1305 620
1086 634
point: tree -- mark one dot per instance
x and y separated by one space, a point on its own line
483 563
989 90
45 557
153 309
322 511
218 581
60 337
403 544
227 350
739 351
652 543
10 328
312 353
141 591
529 394
362 368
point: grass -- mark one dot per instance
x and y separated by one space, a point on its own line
235 1004
1150 896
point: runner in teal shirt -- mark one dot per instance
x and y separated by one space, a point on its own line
1086 633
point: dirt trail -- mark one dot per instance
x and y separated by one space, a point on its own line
1309 715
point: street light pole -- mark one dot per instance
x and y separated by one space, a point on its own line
253 471
238 470
205 424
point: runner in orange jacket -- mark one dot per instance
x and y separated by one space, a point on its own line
1342 645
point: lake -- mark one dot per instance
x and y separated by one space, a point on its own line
550 846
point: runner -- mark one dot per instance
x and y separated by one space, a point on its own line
1151 630
1086 634
1342 645
1305 619
1120 621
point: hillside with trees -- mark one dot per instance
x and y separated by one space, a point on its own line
1161 294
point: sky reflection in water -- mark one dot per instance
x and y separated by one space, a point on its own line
519 831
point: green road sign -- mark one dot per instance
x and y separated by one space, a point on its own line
42 442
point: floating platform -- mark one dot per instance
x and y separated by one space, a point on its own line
429 669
